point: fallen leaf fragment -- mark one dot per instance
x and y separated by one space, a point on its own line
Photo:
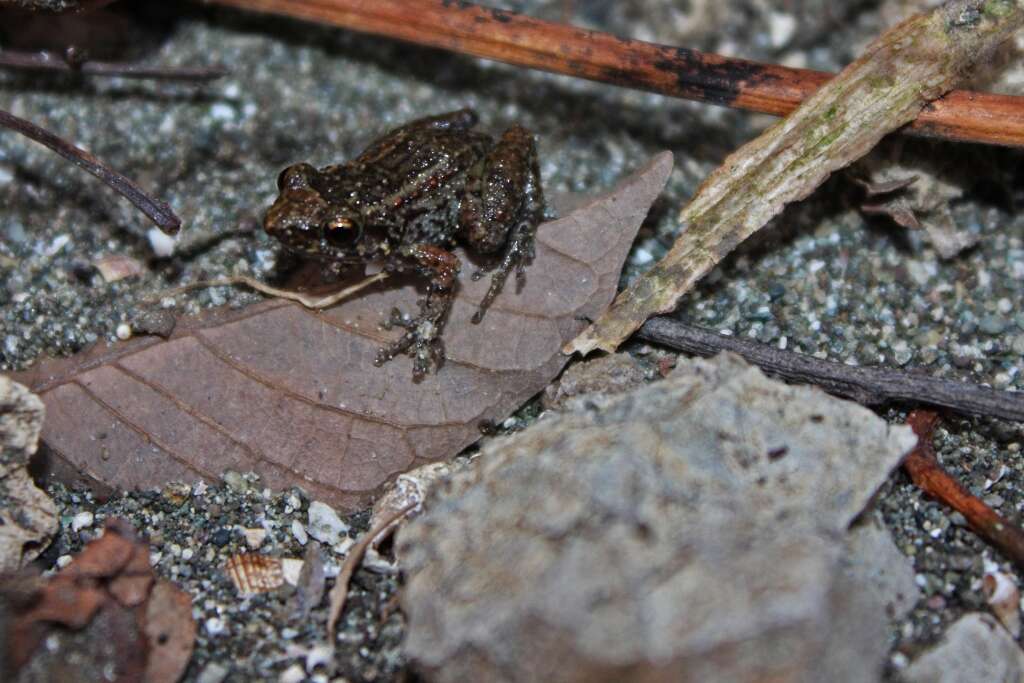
28 518
111 612
118 267
900 72
294 395
915 186
311 583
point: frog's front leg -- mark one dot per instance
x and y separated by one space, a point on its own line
423 336
502 206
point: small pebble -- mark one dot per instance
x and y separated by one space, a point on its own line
235 480
299 532
214 626
992 324
213 673
221 537
123 332
324 524
158 322
293 674
83 520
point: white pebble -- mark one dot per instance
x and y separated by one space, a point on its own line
291 570
63 561
254 537
324 523
222 112
299 532
83 520
293 674
123 331
781 27
214 626
161 243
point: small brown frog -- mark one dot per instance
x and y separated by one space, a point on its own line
405 201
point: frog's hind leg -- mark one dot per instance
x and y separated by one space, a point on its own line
503 205
422 339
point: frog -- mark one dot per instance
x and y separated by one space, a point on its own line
405 202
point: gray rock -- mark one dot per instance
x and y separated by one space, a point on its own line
28 517
689 530
975 648
594 380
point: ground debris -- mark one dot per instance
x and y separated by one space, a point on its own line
689 529
595 379
28 518
106 612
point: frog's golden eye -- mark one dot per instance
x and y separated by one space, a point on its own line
340 223
342 231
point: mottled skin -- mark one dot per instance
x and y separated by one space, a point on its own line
405 201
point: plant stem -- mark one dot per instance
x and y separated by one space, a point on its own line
158 211
680 72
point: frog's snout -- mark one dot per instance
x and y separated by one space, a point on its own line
295 219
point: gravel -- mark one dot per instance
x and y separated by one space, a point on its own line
822 280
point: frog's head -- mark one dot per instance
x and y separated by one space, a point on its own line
307 224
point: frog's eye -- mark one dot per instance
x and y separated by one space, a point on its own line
296 175
342 231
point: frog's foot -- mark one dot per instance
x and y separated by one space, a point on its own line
421 341
518 256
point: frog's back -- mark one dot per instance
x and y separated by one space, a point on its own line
409 182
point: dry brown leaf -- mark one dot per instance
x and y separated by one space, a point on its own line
28 518
294 395
111 613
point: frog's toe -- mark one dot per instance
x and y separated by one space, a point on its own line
422 342
398 319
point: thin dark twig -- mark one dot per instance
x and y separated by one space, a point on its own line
47 61
158 211
339 593
869 386
924 469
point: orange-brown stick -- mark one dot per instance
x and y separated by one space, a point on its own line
516 39
926 472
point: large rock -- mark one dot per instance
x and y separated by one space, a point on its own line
690 530
975 648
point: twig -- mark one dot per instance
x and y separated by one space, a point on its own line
307 300
926 472
680 72
158 211
46 61
866 385
339 593
889 85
